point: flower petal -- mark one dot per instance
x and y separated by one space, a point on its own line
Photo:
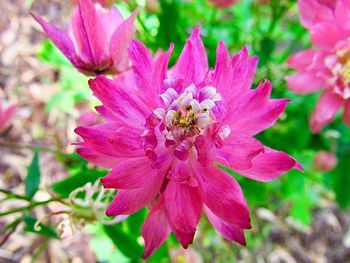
327 107
326 35
255 111
239 151
120 41
156 228
192 65
59 38
125 104
304 82
184 208
312 10
89 33
223 196
232 77
269 165
228 231
132 173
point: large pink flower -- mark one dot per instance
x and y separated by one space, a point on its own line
6 114
222 3
166 131
325 67
97 38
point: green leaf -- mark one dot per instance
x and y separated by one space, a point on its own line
65 187
33 176
44 230
125 242
340 178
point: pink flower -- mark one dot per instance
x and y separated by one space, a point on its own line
326 66
324 161
103 3
166 131
97 38
6 114
222 3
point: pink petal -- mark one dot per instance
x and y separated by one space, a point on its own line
130 201
149 73
192 65
59 38
132 173
102 160
89 34
125 104
255 111
312 10
232 77
223 196
326 35
111 140
346 113
184 208
228 231
239 151
327 107
156 228
120 41
302 60
342 11
269 165
304 82
6 114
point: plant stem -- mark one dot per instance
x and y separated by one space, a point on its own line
13 195
29 207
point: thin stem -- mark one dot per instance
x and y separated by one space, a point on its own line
11 195
29 207
28 146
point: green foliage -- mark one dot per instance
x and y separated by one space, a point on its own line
33 176
40 229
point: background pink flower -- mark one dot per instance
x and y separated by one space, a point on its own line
166 131
97 38
6 114
324 161
325 67
222 3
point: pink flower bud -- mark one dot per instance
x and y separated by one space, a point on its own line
324 161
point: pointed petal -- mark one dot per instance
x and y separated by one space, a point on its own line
156 228
223 196
269 165
192 65
255 111
233 77
89 33
125 104
132 173
326 35
184 207
302 60
304 82
120 42
239 151
311 10
228 231
59 38
111 140
130 201
327 107
149 73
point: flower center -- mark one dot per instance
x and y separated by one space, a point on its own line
341 71
183 117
